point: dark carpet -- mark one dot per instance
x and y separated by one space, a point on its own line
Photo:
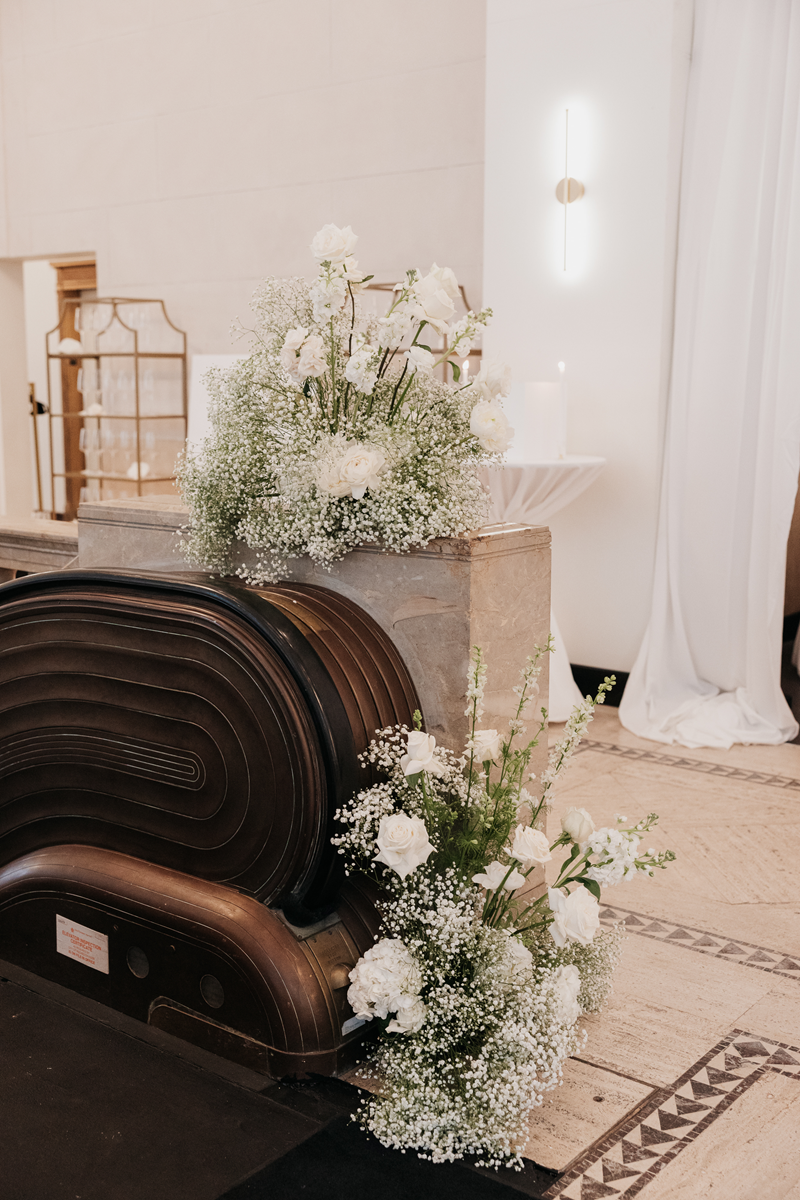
95 1106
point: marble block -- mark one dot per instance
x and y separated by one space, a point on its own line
489 587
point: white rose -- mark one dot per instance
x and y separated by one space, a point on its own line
403 843
579 825
494 875
419 359
446 279
411 1014
358 470
567 985
520 956
313 359
494 379
332 244
529 846
434 305
489 424
487 745
352 274
576 916
420 756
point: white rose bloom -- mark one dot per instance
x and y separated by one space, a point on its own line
313 360
403 843
446 280
411 1014
489 424
494 875
486 745
576 916
579 825
420 755
419 359
352 274
494 380
289 351
434 305
567 985
529 846
332 244
362 370
352 475
520 956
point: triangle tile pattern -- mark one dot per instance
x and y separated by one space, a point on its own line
630 1155
692 764
758 958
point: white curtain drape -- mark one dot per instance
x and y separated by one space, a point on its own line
708 672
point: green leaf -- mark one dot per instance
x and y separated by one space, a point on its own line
592 886
456 371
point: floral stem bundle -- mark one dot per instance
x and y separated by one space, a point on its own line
334 431
475 981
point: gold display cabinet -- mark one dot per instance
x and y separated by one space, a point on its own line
116 430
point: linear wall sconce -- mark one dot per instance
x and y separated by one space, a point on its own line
568 190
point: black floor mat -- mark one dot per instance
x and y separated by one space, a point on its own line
88 1113
341 1162
91 1109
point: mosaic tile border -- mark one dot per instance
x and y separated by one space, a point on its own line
628 1157
746 954
739 774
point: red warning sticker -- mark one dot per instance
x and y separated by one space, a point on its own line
85 945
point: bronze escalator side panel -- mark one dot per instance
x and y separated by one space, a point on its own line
191 956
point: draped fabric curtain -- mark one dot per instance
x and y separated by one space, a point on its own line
708 671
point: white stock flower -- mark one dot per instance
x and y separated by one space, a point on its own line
616 851
393 328
434 303
383 980
362 369
576 917
579 825
410 1015
420 755
332 244
419 359
566 986
529 846
493 876
328 294
489 424
494 380
486 745
403 843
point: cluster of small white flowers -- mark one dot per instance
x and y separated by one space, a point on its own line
476 684
321 370
387 980
497 1031
616 851
527 690
364 813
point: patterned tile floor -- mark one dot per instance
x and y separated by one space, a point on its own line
648 1140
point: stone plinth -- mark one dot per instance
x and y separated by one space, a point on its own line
490 587
33 545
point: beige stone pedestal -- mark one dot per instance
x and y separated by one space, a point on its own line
490 588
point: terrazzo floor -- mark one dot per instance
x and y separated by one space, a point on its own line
689 1084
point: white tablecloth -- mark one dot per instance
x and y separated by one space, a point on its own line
532 493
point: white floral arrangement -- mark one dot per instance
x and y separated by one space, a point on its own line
334 432
477 978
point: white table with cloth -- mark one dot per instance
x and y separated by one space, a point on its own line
532 493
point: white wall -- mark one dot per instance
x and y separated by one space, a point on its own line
620 66
197 145
16 462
